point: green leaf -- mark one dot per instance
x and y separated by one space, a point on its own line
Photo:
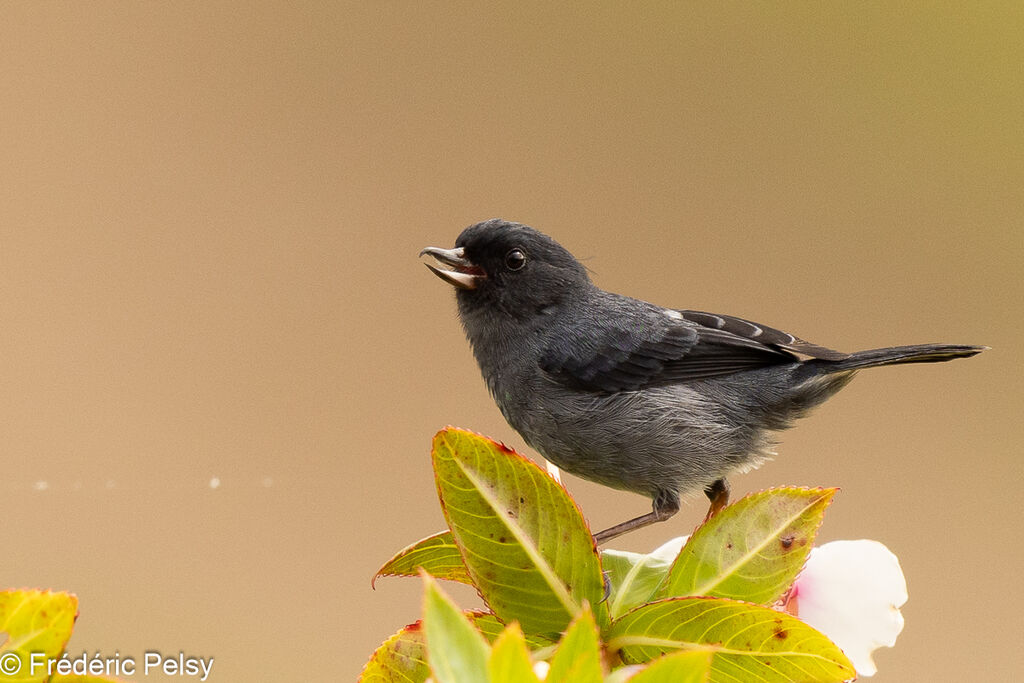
522 538
750 642
578 657
690 666
635 577
510 658
36 622
456 651
437 555
752 550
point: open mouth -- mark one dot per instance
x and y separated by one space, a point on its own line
458 271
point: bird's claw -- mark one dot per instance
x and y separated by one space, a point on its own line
607 586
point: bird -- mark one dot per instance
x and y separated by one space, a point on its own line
658 401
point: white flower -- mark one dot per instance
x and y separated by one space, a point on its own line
852 591
553 471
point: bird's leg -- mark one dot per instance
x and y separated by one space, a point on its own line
718 494
665 504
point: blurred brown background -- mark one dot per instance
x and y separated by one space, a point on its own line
210 216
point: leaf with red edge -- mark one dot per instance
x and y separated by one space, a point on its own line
523 539
751 550
437 555
402 658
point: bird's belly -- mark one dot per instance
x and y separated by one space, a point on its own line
643 441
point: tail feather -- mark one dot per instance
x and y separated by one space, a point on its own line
895 355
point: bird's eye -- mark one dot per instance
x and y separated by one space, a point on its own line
515 259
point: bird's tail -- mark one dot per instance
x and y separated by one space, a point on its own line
895 355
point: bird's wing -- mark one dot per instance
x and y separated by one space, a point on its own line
658 347
763 334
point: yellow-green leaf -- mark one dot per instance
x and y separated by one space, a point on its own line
510 658
402 658
36 623
693 666
578 657
753 549
522 538
437 555
456 651
750 642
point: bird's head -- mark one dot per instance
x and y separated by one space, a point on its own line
508 268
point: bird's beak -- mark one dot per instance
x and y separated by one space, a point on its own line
460 271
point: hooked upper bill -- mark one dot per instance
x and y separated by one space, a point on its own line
458 271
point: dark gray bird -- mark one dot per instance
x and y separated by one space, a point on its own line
631 395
